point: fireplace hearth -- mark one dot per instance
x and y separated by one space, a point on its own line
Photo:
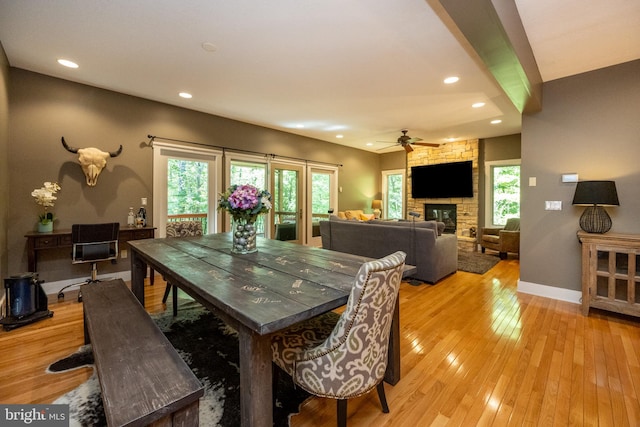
442 212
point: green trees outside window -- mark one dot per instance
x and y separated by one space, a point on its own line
187 189
395 189
506 193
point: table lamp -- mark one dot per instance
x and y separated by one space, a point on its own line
595 195
376 205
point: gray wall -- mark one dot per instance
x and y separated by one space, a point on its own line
42 109
4 162
394 160
590 125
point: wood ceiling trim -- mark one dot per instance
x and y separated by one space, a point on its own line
492 33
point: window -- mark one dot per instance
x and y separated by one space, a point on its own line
184 182
243 170
393 194
188 190
503 191
321 196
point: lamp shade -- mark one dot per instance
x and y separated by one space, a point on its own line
376 204
601 193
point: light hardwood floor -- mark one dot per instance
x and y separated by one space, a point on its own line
474 352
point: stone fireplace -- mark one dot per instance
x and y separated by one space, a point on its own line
443 212
461 212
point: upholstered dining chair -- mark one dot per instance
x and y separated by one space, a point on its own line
345 356
180 229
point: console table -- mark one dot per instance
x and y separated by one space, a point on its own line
611 272
57 239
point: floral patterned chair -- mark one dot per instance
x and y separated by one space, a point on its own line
180 229
184 228
345 356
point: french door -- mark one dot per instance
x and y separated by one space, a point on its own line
186 182
322 195
242 169
288 221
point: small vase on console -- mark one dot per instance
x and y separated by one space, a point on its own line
45 227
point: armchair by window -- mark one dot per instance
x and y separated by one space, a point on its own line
504 240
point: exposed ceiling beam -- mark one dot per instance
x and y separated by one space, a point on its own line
492 33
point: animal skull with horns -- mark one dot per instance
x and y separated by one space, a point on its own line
92 160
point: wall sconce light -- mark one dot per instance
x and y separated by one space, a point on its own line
376 205
595 195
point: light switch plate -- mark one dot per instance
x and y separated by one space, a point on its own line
553 205
569 177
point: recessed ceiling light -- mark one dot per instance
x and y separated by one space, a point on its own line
185 95
300 126
369 144
495 122
450 80
451 139
67 63
478 105
339 136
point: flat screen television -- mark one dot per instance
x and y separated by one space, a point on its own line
442 180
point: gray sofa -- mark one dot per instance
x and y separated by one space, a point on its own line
434 255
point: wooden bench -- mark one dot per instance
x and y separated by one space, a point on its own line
143 379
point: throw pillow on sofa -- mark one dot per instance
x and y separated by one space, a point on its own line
353 213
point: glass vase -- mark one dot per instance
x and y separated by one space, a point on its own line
243 236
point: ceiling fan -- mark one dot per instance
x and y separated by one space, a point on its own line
406 142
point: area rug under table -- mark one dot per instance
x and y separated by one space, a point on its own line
210 348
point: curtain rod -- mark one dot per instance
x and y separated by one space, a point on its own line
239 150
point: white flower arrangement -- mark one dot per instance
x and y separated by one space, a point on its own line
45 196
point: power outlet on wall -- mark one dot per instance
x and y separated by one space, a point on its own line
124 253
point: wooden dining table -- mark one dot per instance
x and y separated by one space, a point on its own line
257 294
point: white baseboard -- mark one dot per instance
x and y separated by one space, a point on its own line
52 288
561 294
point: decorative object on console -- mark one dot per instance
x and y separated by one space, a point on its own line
245 203
595 195
45 196
376 205
92 160
131 218
141 219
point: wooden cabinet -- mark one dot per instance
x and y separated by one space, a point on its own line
610 272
